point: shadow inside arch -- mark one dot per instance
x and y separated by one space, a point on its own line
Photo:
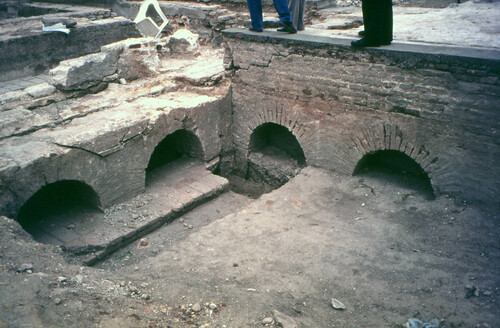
272 135
396 168
179 144
57 207
274 157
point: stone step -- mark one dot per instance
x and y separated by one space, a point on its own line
173 190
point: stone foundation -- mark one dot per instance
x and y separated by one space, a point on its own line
105 137
100 117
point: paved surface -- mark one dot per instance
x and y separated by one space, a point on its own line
173 190
470 24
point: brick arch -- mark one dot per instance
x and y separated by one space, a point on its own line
185 141
305 130
287 139
63 165
72 191
393 137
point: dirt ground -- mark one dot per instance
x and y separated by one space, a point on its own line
383 250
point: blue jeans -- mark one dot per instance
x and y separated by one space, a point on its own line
255 9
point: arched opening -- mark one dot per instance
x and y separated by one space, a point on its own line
175 146
275 156
57 208
273 138
398 169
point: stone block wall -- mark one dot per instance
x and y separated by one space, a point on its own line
103 137
438 105
35 53
113 158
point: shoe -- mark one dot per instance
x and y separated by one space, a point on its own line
364 42
287 28
383 43
254 30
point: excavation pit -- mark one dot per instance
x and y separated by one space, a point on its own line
172 246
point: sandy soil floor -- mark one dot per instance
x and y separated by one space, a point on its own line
382 249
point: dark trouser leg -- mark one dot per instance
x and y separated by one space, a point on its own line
377 17
297 8
371 18
366 14
387 23
283 11
255 9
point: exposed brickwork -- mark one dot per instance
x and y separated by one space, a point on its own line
112 158
440 110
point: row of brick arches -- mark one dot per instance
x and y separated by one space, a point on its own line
269 140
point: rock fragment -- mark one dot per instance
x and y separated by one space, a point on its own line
472 290
338 305
284 320
25 267
143 243
196 307
267 321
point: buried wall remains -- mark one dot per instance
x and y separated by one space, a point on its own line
98 123
436 104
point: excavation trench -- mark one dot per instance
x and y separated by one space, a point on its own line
248 203
68 213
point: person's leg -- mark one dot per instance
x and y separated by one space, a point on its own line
283 11
285 18
371 8
255 9
387 23
371 19
297 8
380 21
293 6
300 15
366 16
